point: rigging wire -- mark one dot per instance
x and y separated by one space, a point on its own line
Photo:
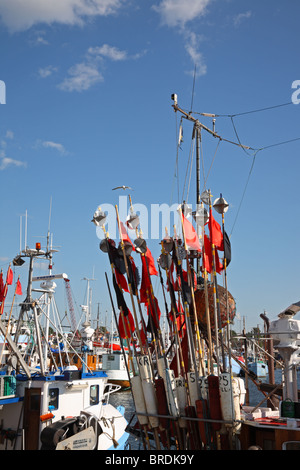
193 89
260 110
239 144
243 195
176 172
205 179
245 112
188 169
277 144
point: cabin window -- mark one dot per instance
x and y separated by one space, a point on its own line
94 395
291 445
53 398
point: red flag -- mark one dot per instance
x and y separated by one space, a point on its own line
151 263
190 235
207 255
216 234
143 337
121 281
129 325
154 311
19 288
125 236
1 287
208 258
9 276
146 283
148 269
3 299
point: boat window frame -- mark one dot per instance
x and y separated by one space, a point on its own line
94 400
285 445
53 403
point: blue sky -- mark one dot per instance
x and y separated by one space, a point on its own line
88 107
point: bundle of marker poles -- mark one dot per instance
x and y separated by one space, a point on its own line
193 423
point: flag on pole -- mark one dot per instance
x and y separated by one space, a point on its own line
129 328
1 287
19 288
146 282
148 269
9 276
125 236
121 280
190 235
208 257
153 311
151 263
216 235
120 298
227 249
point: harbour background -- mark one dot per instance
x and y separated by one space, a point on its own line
124 398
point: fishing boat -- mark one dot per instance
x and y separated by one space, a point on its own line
115 360
277 426
115 366
186 395
258 367
46 404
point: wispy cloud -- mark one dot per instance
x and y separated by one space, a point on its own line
110 52
192 45
55 146
175 13
84 75
81 77
21 15
180 15
5 161
238 19
47 71
9 134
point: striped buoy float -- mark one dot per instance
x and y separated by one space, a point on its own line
226 396
139 401
181 395
148 389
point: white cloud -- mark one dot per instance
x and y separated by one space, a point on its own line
47 71
55 145
20 15
40 40
87 73
178 12
9 134
5 162
192 47
241 16
81 77
110 52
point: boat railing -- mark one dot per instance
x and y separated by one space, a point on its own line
109 389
